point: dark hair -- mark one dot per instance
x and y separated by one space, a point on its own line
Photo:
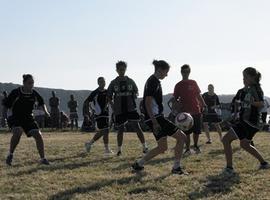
100 78
251 71
160 64
26 77
121 63
185 67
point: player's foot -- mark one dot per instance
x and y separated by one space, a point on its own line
187 152
9 159
209 142
145 150
264 165
228 171
119 153
136 167
108 152
87 147
44 161
178 171
197 149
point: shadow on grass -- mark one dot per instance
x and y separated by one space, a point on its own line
218 152
218 184
68 194
61 166
151 162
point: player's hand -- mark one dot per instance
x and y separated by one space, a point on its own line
205 109
47 114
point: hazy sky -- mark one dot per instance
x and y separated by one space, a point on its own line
68 44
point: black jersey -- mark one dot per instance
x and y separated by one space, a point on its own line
249 113
99 98
123 91
153 88
210 101
72 105
22 104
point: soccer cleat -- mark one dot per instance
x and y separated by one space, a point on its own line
119 153
187 152
264 165
108 152
145 150
209 142
197 149
136 167
178 171
44 161
87 147
9 159
228 171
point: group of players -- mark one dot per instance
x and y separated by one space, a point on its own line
121 95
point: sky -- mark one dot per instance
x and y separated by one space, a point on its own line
68 44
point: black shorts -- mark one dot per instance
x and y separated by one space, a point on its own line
211 118
73 115
244 130
127 117
167 127
27 124
102 122
197 125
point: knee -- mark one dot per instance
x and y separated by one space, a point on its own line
244 144
36 134
225 140
163 148
182 137
17 132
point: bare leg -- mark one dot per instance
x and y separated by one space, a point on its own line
245 144
15 139
206 129
227 140
39 142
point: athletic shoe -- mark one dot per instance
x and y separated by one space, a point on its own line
187 152
209 142
87 147
197 149
145 150
178 171
119 153
136 167
264 165
108 152
44 161
228 171
9 159
252 143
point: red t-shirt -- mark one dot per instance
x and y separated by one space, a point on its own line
188 91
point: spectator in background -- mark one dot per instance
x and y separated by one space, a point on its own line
73 114
264 111
64 120
54 103
4 110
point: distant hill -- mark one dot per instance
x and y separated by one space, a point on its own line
81 95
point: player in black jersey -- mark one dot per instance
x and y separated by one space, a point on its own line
249 122
154 118
122 94
20 103
211 115
101 110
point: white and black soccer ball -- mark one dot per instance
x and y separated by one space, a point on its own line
184 121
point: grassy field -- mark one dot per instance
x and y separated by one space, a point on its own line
73 174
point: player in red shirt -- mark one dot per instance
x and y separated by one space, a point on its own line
188 94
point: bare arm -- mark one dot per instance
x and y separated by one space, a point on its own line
148 105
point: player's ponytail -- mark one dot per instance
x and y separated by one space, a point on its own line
160 64
253 73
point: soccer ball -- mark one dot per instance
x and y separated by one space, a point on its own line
184 121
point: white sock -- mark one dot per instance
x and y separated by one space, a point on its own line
144 145
106 146
120 148
91 142
176 164
141 162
